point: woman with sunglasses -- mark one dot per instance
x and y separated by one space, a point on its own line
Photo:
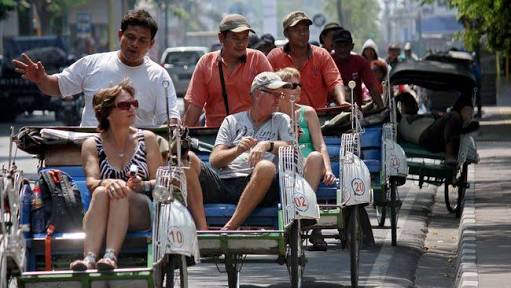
317 162
120 164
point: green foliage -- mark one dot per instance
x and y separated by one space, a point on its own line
5 7
359 16
486 20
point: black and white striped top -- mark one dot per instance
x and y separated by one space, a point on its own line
106 171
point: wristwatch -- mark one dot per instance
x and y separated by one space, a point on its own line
271 146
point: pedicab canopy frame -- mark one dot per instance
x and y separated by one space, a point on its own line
433 75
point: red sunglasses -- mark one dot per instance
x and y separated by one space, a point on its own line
126 105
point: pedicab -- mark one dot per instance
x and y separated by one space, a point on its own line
12 242
428 167
276 230
394 169
154 258
342 205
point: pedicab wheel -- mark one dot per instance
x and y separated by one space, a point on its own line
232 263
354 239
455 191
394 206
176 272
381 214
7 279
295 255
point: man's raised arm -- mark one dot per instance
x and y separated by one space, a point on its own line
35 72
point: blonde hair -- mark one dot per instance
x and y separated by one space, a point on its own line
103 101
288 73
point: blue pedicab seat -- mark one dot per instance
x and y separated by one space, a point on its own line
371 155
71 244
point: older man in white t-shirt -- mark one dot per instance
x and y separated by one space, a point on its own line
102 70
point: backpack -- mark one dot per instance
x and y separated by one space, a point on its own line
61 204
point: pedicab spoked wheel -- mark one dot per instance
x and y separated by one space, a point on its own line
295 254
354 239
7 278
455 191
232 267
381 214
176 272
394 210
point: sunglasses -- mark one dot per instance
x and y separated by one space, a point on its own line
292 86
273 93
126 105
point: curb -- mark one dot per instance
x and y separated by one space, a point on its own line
466 262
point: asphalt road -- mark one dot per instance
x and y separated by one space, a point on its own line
421 259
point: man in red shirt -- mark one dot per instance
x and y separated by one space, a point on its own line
355 67
238 64
321 80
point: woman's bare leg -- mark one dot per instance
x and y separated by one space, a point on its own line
95 221
118 220
313 169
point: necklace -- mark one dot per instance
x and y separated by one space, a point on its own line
123 152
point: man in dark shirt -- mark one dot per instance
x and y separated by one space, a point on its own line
355 67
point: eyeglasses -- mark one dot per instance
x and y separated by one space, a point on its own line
126 105
292 86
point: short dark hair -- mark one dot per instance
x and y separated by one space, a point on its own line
139 18
103 102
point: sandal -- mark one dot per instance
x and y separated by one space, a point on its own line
318 241
88 263
108 262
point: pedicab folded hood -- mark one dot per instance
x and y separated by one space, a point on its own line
433 75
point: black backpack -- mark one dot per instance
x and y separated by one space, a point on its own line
62 204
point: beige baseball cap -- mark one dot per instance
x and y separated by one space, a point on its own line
294 18
268 80
234 23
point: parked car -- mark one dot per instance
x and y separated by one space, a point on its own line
18 95
180 63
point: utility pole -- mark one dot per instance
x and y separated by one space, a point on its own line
111 26
339 12
166 30
387 21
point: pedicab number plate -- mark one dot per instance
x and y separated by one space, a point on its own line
358 186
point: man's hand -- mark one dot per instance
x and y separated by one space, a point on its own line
30 70
257 152
245 144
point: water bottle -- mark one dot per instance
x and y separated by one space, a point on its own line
26 205
38 222
37 198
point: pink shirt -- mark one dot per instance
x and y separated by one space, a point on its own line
205 88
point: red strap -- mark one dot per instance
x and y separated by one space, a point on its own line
47 247
55 174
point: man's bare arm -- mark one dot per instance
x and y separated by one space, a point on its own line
375 95
192 115
339 96
35 72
